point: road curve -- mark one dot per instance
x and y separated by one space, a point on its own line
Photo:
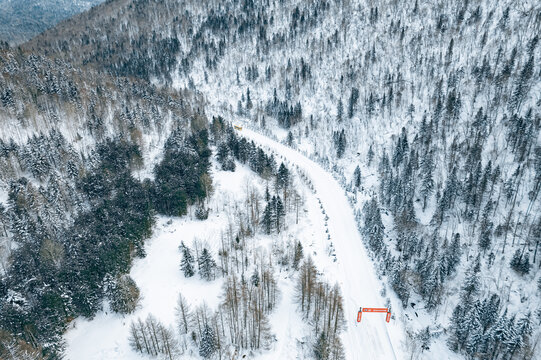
373 338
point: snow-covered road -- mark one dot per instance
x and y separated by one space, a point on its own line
373 338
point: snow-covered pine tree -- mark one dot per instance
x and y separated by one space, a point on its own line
321 347
339 110
187 262
207 346
254 279
471 285
268 219
453 255
279 213
298 255
521 262
123 295
207 265
370 155
427 182
282 177
373 226
249 104
353 98
485 232
357 179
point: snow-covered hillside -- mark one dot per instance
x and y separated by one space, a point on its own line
426 113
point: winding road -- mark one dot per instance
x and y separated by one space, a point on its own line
373 338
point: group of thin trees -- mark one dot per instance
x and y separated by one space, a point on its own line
322 306
241 321
76 216
153 338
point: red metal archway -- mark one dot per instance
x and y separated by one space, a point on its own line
374 310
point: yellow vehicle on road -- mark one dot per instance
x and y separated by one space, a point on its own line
237 127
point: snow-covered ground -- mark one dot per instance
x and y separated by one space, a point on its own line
373 338
160 279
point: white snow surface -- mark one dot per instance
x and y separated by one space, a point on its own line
160 279
372 338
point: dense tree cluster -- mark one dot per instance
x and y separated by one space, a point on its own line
480 329
179 178
231 146
75 261
285 113
123 294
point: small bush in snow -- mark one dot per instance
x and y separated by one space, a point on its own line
123 295
201 213
521 262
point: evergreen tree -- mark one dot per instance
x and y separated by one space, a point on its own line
353 98
187 262
321 347
511 338
522 85
489 311
401 149
357 177
123 295
473 328
453 255
521 262
399 283
339 138
249 104
497 332
471 285
485 233
279 213
268 218
207 265
339 111
224 157
290 138
298 255
370 155
427 182
456 329
255 278
447 200
373 226
207 347
282 178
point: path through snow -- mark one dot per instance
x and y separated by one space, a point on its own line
373 338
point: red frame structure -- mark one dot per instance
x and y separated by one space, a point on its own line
374 310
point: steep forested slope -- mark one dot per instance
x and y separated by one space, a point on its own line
75 148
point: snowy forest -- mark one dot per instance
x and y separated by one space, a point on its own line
427 113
